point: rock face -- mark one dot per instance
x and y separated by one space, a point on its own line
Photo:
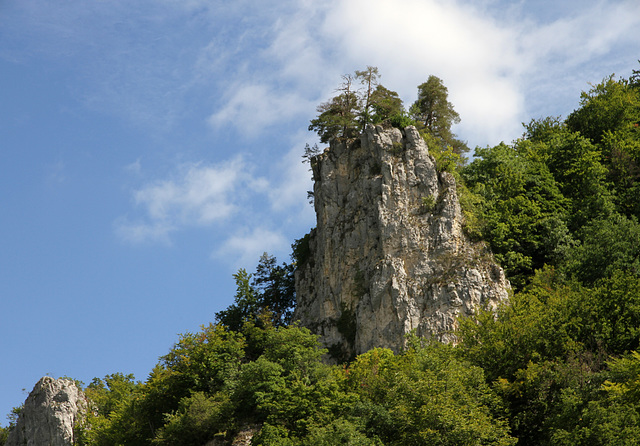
388 255
51 411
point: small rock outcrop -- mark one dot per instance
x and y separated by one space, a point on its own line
389 255
50 413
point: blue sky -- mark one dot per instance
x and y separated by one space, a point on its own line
149 149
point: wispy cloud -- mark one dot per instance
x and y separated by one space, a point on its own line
256 107
293 181
497 69
138 232
246 246
226 195
198 195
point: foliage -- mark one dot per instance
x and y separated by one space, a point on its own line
309 153
386 105
339 115
610 117
634 79
428 203
608 245
425 396
566 193
545 352
275 287
346 114
523 211
301 250
197 417
4 434
271 292
246 306
214 382
436 115
609 107
369 80
12 418
107 393
614 416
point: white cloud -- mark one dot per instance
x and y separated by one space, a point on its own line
134 168
226 195
246 246
308 49
198 195
584 36
477 58
254 107
303 50
140 232
294 179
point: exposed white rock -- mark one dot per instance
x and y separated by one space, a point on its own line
50 413
388 255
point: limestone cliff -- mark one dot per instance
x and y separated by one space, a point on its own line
389 255
50 413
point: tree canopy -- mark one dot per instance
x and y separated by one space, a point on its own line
435 114
346 114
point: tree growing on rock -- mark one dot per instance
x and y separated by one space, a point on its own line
436 115
339 115
346 114
369 80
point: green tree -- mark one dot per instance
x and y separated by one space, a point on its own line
246 305
577 167
543 130
430 396
198 419
275 287
191 379
340 431
545 353
369 80
609 116
436 114
270 294
338 117
523 213
608 245
12 417
346 114
288 385
386 105
614 416
532 354
610 106
4 434
622 157
634 79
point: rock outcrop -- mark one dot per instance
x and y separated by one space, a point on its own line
50 413
389 255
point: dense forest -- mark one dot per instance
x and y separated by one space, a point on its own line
559 365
